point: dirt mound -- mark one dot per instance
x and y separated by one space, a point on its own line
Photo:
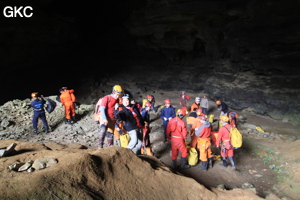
108 173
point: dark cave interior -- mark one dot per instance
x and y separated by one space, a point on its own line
243 52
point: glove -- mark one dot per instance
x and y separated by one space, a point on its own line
165 119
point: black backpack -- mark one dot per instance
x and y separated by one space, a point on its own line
50 106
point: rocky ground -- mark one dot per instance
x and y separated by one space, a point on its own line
268 163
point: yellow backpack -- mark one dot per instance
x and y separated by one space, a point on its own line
211 118
236 138
193 156
124 139
143 104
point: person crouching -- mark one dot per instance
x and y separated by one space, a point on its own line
133 121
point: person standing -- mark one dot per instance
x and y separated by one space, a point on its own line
167 113
196 104
146 145
204 105
183 100
177 134
38 112
133 121
151 100
204 143
233 119
67 98
223 107
196 125
107 117
190 121
227 150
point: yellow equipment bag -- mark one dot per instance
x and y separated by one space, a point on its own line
193 156
143 104
211 118
124 139
220 124
259 129
236 138
188 145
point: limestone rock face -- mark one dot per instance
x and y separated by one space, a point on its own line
251 48
243 52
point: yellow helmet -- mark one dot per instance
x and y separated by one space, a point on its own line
218 102
224 118
117 89
34 94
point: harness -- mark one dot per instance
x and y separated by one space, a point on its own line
135 117
226 142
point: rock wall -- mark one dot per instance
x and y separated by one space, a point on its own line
245 53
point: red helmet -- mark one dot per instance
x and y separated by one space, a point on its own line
149 97
148 104
167 101
181 112
199 111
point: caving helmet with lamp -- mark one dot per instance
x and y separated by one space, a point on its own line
34 94
117 89
148 104
181 113
224 118
167 101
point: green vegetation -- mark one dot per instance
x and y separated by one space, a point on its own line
269 158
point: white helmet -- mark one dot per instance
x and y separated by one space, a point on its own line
197 99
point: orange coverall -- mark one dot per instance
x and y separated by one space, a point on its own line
194 105
196 124
204 141
67 98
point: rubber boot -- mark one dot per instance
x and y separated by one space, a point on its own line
210 165
109 142
204 166
68 121
232 163
224 164
35 132
174 163
74 119
184 164
46 129
103 129
100 141
118 143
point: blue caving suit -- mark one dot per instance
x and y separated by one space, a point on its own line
39 112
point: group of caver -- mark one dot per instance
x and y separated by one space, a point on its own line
67 98
118 114
202 133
